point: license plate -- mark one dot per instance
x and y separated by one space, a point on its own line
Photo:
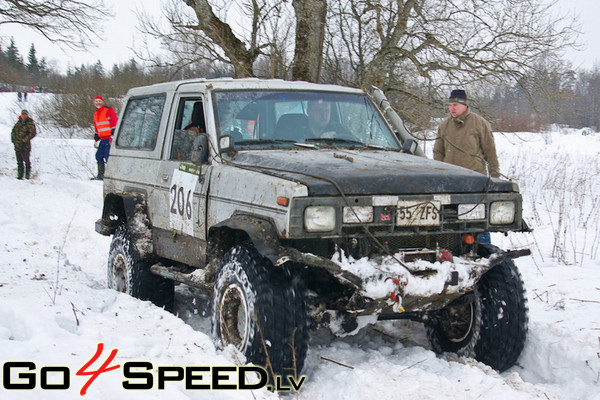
418 213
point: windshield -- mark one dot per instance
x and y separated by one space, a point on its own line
284 118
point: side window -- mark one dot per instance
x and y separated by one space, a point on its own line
189 124
139 127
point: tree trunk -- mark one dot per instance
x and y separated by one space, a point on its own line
220 33
310 33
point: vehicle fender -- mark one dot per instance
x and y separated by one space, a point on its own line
121 208
128 208
261 232
264 236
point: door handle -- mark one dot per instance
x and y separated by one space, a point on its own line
165 177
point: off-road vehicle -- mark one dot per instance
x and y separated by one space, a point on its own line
294 218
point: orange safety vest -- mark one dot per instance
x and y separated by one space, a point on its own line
102 123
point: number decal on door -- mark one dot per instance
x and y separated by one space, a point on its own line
181 201
181 197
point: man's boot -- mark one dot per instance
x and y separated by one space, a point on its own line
27 171
100 175
100 171
19 171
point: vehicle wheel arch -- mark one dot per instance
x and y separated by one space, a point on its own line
261 232
242 228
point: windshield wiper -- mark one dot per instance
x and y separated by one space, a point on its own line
354 143
376 147
265 141
336 141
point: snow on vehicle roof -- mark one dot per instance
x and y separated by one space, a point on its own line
201 84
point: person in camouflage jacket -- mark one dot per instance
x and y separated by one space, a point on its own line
22 133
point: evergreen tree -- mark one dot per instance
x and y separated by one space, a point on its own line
33 66
98 70
12 55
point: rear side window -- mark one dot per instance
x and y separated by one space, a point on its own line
139 127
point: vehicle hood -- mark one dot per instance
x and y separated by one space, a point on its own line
367 172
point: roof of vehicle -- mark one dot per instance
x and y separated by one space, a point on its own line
201 84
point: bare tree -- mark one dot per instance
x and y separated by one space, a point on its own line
415 49
257 30
68 22
224 32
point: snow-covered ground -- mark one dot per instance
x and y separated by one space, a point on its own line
55 308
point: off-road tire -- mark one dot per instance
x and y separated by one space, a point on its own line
127 274
261 310
491 328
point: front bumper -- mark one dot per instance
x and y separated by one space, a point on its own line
394 286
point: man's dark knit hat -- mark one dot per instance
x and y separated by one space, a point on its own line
458 96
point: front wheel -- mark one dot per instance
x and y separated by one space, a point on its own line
491 324
128 274
260 310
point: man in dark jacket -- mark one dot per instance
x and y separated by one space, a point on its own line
21 135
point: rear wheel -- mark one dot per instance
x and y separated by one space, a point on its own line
491 324
127 274
260 310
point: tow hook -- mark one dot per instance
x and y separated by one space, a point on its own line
396 295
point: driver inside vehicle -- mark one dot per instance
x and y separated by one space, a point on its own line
320 124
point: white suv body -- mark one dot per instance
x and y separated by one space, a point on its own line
256 190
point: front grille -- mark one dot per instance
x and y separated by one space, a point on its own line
397 243
363 246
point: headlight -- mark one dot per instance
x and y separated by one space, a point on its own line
319 218
358 214
471 211
502 213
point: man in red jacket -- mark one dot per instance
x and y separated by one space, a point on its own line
105 120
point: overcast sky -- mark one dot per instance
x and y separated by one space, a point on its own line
588 12
120 35
115 45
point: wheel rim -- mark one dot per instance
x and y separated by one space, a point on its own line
460 322
234 316
120 274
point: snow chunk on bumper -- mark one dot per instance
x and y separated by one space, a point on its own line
414 285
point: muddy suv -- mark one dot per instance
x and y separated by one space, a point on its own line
298 205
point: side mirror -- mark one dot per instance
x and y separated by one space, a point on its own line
200 149
409 146
226 144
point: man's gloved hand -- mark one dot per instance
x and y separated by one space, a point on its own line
96 137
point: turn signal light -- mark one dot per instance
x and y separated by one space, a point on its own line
283 201
468 239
